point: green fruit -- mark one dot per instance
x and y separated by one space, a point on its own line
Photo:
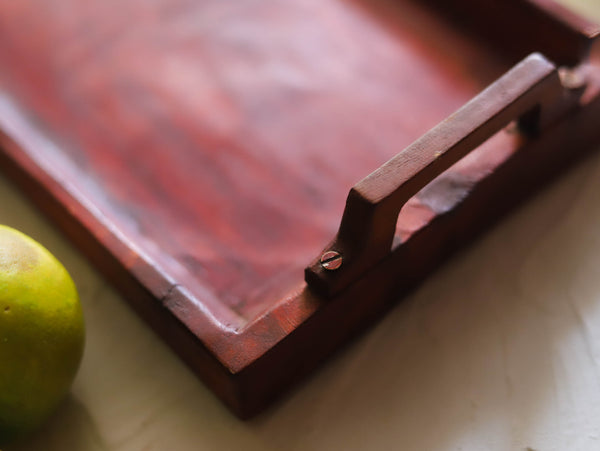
41 333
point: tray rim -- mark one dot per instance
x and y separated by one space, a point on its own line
218 349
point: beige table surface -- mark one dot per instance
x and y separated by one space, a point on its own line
508 361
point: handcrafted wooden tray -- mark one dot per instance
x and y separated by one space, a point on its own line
201 154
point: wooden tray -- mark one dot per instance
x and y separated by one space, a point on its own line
201 153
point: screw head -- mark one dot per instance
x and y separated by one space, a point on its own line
572 78
331 260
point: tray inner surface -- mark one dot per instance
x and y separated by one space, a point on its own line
220 138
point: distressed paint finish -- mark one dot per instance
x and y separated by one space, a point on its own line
201 152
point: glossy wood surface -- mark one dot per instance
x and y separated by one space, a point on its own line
201 154
222 137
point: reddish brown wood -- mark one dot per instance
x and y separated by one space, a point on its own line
200 153
532 89
183 119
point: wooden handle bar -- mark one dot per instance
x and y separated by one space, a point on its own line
530 92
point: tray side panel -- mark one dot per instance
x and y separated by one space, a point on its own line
516 28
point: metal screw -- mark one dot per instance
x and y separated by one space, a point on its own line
571 78
331 260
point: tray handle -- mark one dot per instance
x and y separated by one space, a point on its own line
531 92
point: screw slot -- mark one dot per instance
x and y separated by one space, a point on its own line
331 260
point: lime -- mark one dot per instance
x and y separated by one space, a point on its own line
41 333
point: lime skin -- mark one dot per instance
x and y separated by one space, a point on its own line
42 333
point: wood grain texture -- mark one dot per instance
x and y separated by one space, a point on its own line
188 115
201 152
